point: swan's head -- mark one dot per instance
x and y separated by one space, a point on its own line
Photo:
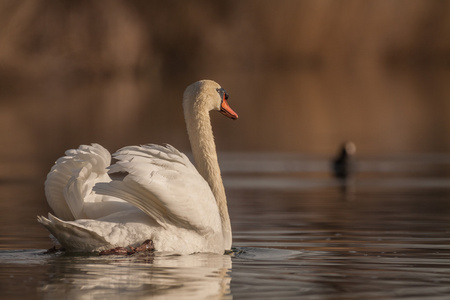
207 95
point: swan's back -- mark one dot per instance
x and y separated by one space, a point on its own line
163 183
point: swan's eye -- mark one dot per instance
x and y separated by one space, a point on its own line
223 94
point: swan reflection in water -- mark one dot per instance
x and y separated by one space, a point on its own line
160 275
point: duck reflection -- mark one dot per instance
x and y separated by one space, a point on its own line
159 276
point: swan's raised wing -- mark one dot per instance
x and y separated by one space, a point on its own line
69 182
163 183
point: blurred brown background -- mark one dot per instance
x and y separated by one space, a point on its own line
304 76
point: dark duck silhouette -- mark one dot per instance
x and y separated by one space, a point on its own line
344 163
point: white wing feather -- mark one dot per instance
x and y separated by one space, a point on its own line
163 183
69 183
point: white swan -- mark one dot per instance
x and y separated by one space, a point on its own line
162 198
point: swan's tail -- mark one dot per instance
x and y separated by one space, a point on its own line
73 237
69 183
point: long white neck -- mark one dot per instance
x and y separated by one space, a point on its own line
201 137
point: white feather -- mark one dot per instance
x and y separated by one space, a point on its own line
164 184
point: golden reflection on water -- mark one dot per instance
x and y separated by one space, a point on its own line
198 276
159 276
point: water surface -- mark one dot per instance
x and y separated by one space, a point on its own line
299 233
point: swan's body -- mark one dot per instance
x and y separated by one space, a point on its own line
163 197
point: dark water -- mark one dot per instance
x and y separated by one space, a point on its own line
299 233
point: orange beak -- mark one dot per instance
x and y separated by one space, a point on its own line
226 110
